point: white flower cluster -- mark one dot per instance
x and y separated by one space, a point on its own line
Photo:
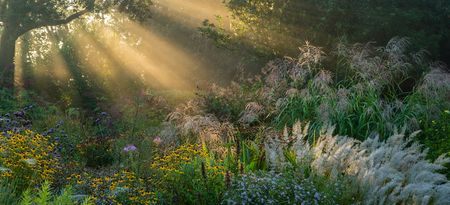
273 188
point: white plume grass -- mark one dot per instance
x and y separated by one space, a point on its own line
394 171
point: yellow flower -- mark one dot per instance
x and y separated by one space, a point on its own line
28 155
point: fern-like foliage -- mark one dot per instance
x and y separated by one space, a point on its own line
46 197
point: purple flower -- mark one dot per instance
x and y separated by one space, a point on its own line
129 148
317 196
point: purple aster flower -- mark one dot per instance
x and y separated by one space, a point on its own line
129 148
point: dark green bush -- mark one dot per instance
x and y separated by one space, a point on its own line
280 25
98 154
436 135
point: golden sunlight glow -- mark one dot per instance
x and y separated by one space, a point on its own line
155 62
117 56
18 80
193 13
56 68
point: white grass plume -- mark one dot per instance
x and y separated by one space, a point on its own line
394 171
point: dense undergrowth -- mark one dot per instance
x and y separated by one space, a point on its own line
305 131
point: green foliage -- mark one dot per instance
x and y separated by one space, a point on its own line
368 99
117 186
360 98
223 107
223 39
31 14
98 154
283 188
188 175
298 108
278 26
45 197
10 101
217 34
363 100
252 157
436 136
196 186
365 113
9 192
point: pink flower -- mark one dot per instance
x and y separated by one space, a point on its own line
157 140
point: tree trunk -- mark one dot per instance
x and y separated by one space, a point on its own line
7 53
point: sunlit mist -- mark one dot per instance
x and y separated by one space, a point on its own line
194 12
117 57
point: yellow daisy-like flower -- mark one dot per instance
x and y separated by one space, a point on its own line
27 156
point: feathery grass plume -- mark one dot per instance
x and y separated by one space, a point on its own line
284 74
215 138
322 81
252 113
301 144
398 173
275 72
343 102
394 171
280 75
395 51
324 112
281 103
192 107
168 135
436 83
299 75
274 149
292 93
310 56
212 133
381 66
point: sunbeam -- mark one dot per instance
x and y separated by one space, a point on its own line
193 13
156 65
18 75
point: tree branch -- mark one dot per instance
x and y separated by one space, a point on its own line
54 22
64 21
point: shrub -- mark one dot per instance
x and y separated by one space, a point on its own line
17 121
122 187
97 154
188 176
371 90
436 137
277 26
367 97
273 188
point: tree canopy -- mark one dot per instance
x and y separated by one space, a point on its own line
323 22
20 16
